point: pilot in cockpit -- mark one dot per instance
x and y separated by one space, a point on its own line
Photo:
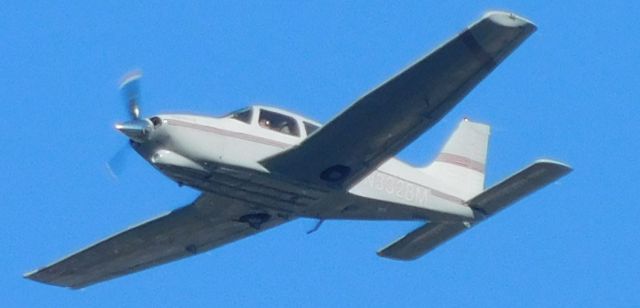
284 128
265 123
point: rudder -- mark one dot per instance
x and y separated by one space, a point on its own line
461 162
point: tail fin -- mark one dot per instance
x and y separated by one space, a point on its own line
461 163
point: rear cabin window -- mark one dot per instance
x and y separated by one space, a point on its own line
279 123
310 128
242 116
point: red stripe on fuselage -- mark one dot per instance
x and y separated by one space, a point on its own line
461 161
229 133
283 145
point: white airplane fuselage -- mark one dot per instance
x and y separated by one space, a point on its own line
222 155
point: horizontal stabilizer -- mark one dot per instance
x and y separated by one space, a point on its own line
487 203
519 185
421 240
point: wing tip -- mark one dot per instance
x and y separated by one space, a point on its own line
42 275
28 274
33 276
566 168
509 19
385 254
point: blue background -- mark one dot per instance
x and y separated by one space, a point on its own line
569 93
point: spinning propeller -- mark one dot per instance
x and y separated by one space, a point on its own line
136 129
130 89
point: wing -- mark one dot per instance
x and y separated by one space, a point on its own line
384 121
209 222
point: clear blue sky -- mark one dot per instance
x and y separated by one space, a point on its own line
569 93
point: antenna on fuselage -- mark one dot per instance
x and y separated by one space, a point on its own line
316 227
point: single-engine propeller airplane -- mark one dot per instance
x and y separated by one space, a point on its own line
260 167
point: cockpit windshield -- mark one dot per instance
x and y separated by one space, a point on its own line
242 115
278 122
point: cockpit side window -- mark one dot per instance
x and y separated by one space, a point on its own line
278 122
242 116
310 128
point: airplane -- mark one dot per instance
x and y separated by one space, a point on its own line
260 167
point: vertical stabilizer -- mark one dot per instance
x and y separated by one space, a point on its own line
460 165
